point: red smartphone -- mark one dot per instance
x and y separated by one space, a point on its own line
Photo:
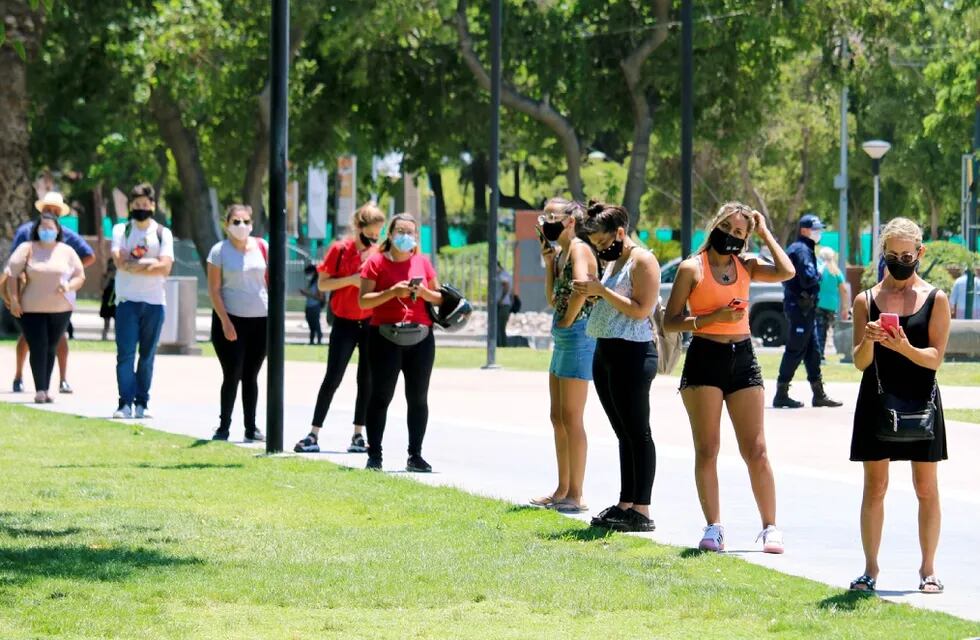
888 322
739 304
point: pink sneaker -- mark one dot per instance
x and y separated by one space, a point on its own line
713 539
772 539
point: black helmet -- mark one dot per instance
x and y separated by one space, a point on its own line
455 310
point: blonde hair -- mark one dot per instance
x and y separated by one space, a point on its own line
368 214
724 212
901 229
829 257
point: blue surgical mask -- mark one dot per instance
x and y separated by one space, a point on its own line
404 242
47 235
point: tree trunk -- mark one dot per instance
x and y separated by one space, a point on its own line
442 220
632 67
190 171
540 110
22 26
479 173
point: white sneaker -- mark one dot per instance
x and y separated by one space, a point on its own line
140 413
713 539
772 539
125 412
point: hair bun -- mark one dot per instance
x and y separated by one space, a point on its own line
595 208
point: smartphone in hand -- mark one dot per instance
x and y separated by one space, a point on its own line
414 283
544 241
739 304
889 322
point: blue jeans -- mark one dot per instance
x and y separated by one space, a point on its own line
137 324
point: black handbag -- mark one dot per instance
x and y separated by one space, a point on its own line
404 334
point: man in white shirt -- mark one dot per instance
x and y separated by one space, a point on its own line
957 296
143 251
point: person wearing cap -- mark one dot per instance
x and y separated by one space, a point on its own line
143 251
800 295
52 203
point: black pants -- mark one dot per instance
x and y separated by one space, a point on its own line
345 336
801 345
240 362
623 372
43 332
313 320
503 315
387 361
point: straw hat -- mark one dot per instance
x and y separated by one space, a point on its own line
53 199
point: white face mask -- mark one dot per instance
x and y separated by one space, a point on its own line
815 235
239 231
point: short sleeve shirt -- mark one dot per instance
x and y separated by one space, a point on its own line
829 299
343 260
136 245
243 287
503 277
46 269
69 237
385 272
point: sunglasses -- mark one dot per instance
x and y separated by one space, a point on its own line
551 217
238 221
905 258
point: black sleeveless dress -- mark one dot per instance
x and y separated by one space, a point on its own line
902 377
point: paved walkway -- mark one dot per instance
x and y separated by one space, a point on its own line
489 434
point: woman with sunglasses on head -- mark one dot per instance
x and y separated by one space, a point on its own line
340 274
721 368
396 284
901 326
625 361
571 359
238 288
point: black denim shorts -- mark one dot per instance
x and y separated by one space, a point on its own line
728 366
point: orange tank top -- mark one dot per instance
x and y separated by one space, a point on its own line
709 296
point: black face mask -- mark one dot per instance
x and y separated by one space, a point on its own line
141 214
612 252
366 241
552 230
725 243
899 270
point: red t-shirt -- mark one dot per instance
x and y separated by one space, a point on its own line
342 260
386 273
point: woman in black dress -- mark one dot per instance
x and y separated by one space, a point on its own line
905 360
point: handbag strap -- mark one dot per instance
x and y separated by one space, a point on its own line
881 390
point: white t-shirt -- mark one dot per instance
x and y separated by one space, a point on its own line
243 288
505 298
141 243
957 297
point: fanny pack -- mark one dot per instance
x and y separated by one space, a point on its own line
404 334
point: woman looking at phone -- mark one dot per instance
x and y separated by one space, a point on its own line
721 368
901 326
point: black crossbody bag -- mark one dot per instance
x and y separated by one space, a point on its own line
902 420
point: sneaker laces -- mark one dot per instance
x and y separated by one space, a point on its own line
714 531
770 534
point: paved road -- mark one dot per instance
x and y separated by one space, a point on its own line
489 435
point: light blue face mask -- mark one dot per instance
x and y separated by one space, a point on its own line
404 242
47 235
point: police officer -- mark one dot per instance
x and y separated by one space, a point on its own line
800 305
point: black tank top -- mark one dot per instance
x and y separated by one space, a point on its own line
899 375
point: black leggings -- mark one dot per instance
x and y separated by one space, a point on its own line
387 360
240 362
623 372
43 332
313 320
345 336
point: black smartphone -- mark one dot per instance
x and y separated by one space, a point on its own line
415 282
544 241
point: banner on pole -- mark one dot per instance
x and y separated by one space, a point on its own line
316 203
346 189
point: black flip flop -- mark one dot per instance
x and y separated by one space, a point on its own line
930 581
867 581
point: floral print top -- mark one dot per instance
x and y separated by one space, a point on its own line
563 291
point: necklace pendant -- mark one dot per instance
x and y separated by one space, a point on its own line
725 278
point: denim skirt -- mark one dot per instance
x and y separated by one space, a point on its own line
573 351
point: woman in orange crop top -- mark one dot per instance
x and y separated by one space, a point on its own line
721 367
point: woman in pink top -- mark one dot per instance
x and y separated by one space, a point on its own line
44 304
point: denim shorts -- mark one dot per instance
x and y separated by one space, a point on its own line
573 351
729 366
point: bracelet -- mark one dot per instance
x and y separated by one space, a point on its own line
695 323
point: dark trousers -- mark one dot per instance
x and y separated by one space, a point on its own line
503 315
387 361
313 320
345 336
801 345
240 361
825 320
43 331
623 372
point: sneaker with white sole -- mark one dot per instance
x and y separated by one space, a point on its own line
713 538
140 413
357 444
772 539
124 412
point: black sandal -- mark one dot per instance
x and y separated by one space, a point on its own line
930 581
867 581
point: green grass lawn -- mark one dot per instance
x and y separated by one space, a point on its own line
131 533
963 415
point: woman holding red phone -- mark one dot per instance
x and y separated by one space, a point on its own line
901 326
721 368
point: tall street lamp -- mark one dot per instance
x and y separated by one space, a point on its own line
876 149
